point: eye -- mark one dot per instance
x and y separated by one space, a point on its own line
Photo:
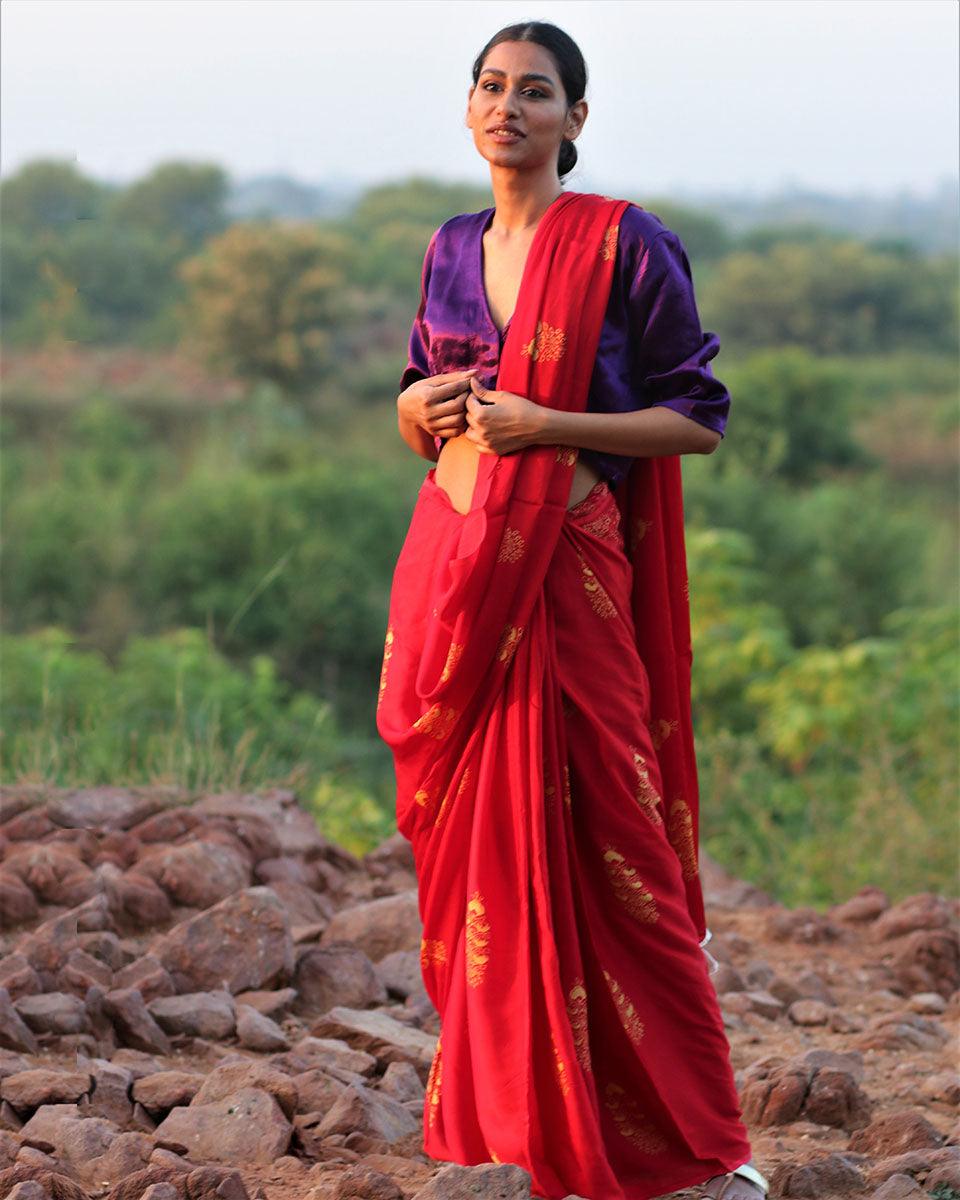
537 92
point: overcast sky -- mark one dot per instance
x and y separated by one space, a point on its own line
721 95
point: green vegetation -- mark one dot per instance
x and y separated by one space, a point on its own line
204 495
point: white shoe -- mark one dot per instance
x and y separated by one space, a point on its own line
745 1172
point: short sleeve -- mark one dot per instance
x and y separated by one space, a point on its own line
418 366
670 352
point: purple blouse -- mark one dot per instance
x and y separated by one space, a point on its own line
651 351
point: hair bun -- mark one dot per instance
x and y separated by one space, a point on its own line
567 159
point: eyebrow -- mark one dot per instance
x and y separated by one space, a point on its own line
503 75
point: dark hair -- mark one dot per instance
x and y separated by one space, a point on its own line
570 65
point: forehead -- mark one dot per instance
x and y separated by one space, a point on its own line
521 58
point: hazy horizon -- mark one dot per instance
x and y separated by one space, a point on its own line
843 97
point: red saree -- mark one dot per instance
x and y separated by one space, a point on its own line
535 696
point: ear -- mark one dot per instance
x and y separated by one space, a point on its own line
575 120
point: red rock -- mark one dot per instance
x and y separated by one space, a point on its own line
18 904
896 1133
18 977
53 874
246 1127
14 1032
167 1089
924 911
248 1073
330 975
209 1015
54 1012
273 1004
101 808
379 927
868 903
30 1089
242 943
132 1020
929 960
197 874
139 900
148 976
257 1032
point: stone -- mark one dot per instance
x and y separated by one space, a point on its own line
246 1127
101 808
14 1032
133 1021
209 1015
259 1033
384 1037
327 976
926 911
361 1109
500 1181
378 927
246 1074
54 1012
166 1089
30 1089
18 904
242 943
198 874
896 1133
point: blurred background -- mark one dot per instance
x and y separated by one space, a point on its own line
213 220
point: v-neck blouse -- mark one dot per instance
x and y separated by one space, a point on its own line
652 349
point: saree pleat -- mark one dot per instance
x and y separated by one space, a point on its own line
581 1037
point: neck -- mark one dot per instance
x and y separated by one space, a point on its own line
521 199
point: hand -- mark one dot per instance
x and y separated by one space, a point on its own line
501 422
437 404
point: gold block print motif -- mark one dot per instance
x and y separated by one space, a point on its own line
566 785
660 730
422 797
646 794
600 601
437 721
577 1016
433 1084
628 1014
606 526
453 657
561 1067
478 940
387 652
566 455
680 836
629 888
609 247
433 952
547 344
512 546
631 1122
638 528
494 1157
509 640
461 788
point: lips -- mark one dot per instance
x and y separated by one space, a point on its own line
506 129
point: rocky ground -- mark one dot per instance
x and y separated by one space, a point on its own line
208 999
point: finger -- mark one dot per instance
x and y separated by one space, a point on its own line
450 377
446 408
443 391
477 387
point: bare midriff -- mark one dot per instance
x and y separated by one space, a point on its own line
456 474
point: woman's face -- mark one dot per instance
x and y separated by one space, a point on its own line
518 108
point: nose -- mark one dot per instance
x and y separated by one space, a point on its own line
508 103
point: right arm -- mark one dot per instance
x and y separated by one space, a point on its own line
431 408
422 414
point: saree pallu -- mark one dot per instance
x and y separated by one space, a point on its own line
580 1035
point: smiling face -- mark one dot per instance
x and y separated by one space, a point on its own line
518 110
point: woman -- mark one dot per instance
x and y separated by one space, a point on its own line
535 680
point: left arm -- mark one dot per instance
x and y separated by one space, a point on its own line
641 434
683 406
508 422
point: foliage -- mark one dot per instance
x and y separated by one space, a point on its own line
835 297
263 300
185 202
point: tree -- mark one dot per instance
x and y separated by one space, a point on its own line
264 300
49 195
182 201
